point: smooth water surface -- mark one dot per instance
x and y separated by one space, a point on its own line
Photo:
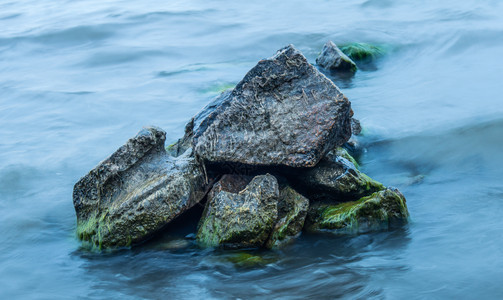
78 78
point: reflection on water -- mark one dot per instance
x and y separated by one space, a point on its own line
79 78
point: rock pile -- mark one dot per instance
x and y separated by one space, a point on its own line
266 157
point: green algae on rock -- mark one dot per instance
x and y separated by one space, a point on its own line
292 211
375 212
363 52
239 218
135 192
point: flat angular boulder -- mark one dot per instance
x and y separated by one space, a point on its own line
292 211
239 214
136 192
335 179
379 211
333 59
283 113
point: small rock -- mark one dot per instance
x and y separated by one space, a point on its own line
136 192
283 113
378 211
335 179
239 214
332 58
292 211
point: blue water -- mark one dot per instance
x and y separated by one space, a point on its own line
78 78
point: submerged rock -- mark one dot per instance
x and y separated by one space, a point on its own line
239 214
135 192
375 212
292 211
335 179
333 59
362 52
283 112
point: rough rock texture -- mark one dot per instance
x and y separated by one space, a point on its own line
356 127
335 179
283 112
292 211
375 212
239 218
332 58
193 125
135 192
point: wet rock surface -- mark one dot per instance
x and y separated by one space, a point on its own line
379 211
335 179
333 59
135 192
283 112
292 211
239 214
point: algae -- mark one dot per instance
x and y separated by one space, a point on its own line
377 211
363 52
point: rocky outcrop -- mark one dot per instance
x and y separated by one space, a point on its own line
333 59
239 214
283 113
135 192
381 210
292 211
284 118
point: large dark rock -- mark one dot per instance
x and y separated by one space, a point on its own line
239 214
283 112
333 59
292 211
379 211
335 179
136 192
193 125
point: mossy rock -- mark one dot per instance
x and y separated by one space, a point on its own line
342 152
375 212
363 52
292 211
335 179
239 218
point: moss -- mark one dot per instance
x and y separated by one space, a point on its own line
371 184
373 212
91 231
247 260
363 51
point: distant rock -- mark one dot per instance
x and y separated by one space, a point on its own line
239 214
136 192
283 113
333 59
379 211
